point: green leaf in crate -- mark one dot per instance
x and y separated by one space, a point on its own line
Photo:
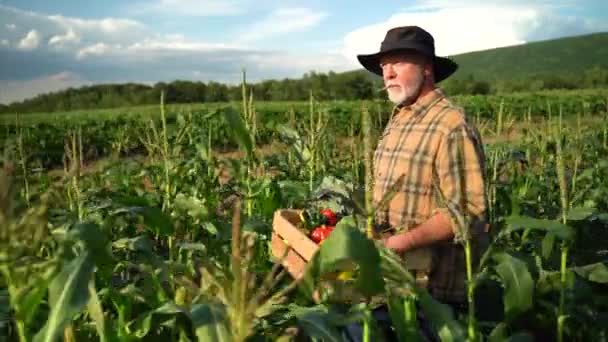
344 248
517 281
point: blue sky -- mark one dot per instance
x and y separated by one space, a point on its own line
50 45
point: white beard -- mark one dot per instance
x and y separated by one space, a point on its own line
406 94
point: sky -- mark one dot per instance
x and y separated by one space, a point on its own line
52 45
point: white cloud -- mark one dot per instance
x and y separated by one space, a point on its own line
62 30
298 64
19 90
197 8
425 5
68 37
111 30
11 26
93 50
466 25
30 41
106 25
283 21
176 43
4 42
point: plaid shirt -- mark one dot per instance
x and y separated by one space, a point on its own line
439 153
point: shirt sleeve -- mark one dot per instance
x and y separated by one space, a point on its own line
460 164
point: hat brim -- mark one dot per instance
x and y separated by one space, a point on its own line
443 67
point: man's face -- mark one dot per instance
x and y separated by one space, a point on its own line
404 76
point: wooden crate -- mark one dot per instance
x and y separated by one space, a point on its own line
285 235
301 248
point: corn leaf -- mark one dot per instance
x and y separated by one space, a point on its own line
441 318
317 325
210 322
517 223
597 272
68 295
154 319
239 131
517 281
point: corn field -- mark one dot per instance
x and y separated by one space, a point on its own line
157 227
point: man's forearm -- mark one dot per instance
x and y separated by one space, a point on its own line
437 228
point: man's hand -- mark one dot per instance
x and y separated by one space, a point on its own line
437 228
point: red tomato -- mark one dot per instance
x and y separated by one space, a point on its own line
331 217
320 233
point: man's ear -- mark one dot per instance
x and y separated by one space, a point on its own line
428 69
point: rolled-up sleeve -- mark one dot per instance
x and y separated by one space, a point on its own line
460 163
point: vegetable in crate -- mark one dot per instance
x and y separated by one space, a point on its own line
325 221
311 219
331 219
321 233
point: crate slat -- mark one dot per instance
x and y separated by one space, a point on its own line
286 235
284 225
293 262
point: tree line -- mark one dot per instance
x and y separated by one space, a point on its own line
354 85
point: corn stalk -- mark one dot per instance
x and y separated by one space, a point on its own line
71 169
250 119
23 162
245 299
367 147
165 155
317 123
561 174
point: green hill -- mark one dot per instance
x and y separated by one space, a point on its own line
564 56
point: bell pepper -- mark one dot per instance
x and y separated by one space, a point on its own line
321 233
331 219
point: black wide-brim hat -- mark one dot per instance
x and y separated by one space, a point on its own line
409 38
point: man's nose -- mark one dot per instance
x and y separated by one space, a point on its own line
388 72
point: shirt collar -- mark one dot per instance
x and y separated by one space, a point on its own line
422 104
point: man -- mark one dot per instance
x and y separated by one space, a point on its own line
429 142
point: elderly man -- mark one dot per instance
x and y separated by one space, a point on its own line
429 142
